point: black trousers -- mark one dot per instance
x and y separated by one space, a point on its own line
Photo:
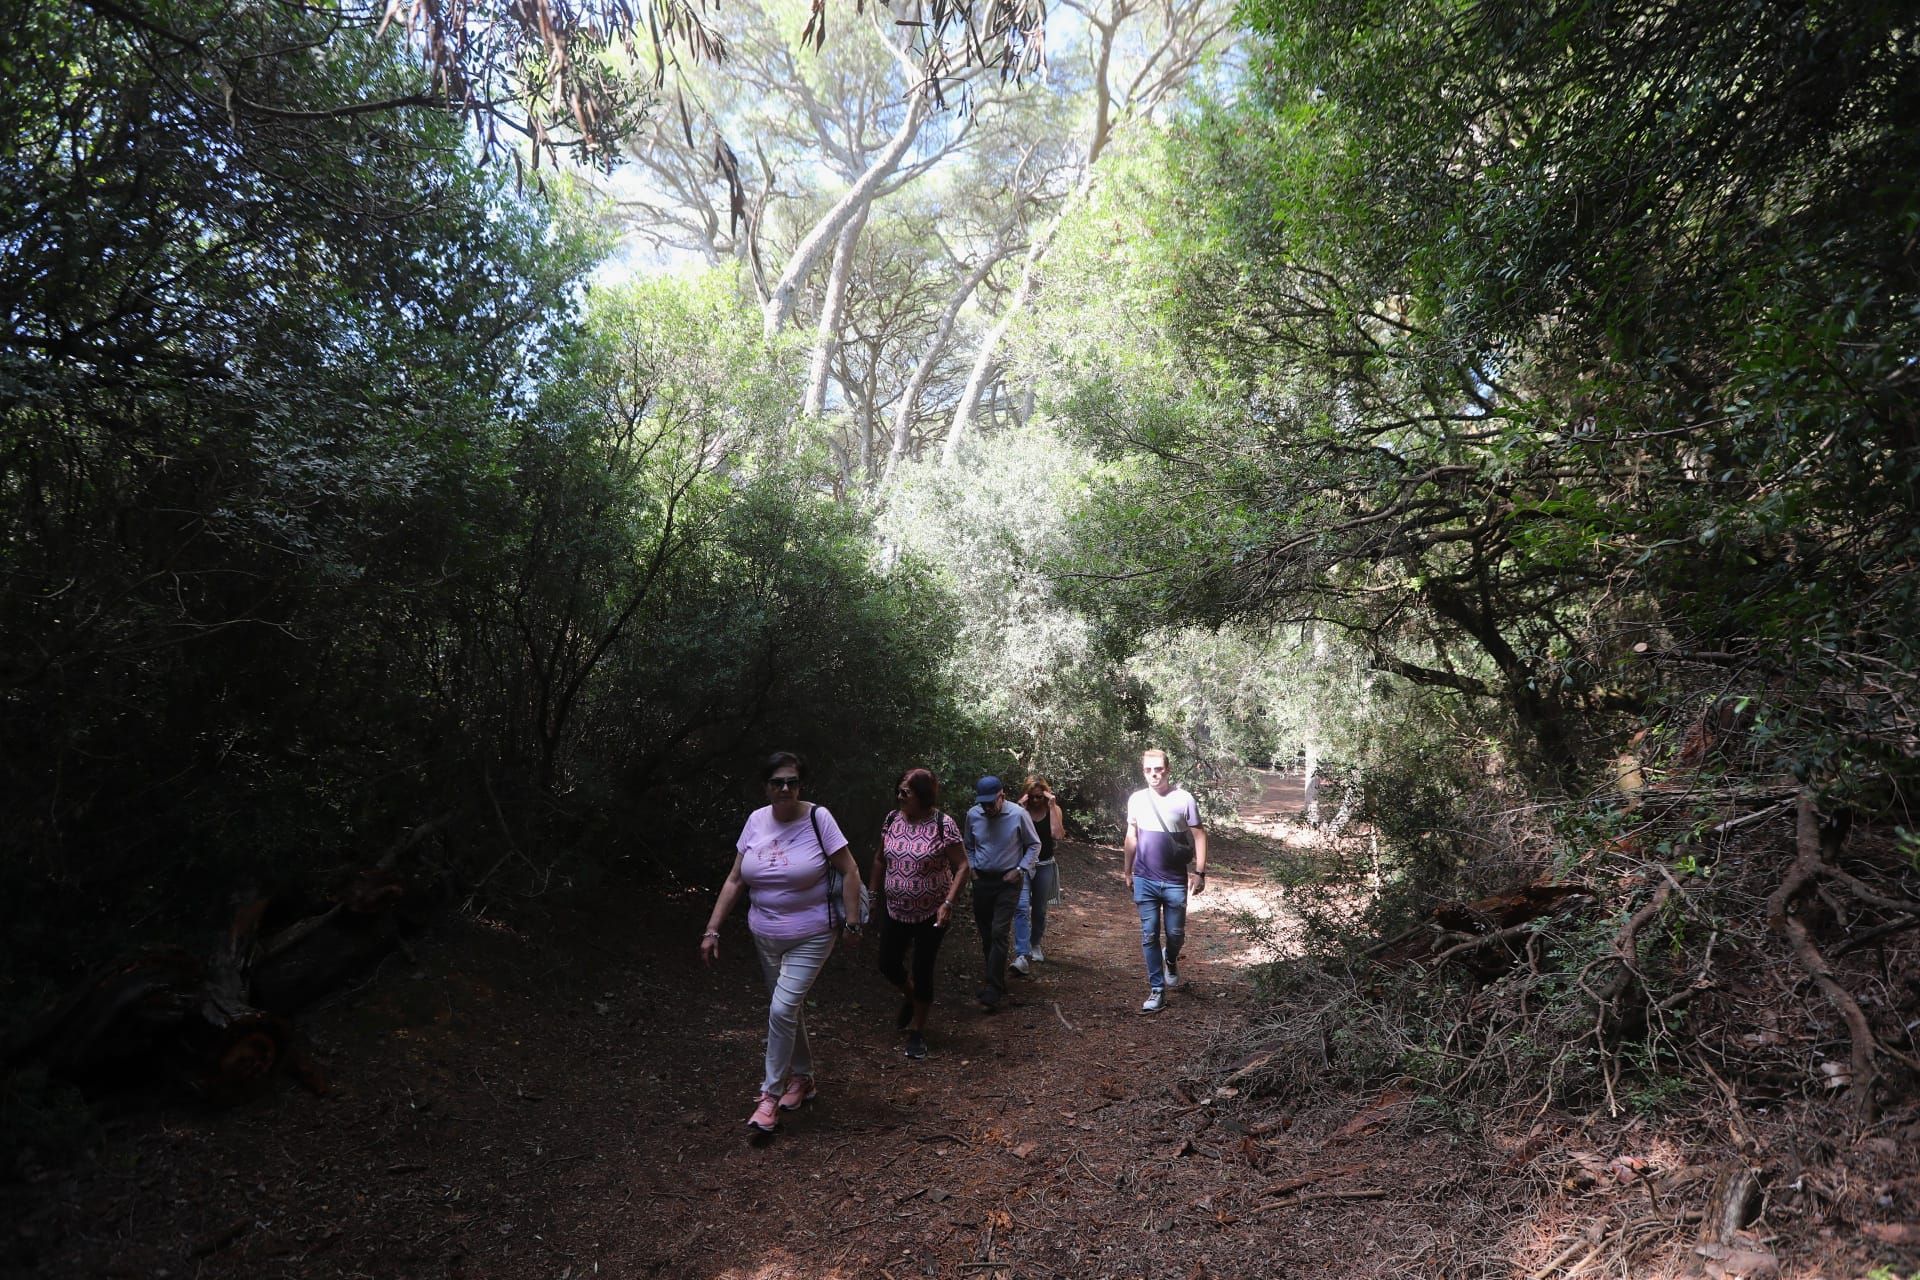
923 940
995 899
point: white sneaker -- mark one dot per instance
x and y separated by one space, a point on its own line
1173 979
1155 998
1021 967
1038 956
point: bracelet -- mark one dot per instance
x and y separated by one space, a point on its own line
711 933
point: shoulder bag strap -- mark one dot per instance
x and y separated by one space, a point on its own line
1157 815
836 916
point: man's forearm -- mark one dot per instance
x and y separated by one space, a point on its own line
1200 850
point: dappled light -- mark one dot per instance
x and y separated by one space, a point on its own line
960 638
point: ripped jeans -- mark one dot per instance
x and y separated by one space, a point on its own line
1163 910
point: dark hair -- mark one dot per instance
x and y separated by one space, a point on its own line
925 787
781 758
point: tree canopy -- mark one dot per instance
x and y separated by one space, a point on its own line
1560 354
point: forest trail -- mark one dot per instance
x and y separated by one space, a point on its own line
1275 804
563 1096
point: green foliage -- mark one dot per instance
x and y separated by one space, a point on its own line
1042 692
245 435
331 499
1508 337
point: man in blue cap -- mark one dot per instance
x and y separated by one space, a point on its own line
1002 847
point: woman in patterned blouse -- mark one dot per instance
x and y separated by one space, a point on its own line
918 877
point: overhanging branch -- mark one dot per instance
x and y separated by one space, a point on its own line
1429 676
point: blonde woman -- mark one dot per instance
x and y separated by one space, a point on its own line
1030 917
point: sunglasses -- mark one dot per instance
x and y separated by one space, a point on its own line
784 783
902 792
1153 768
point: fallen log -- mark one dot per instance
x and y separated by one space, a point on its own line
315 955
1314 1197
1287 1186
1487 935
116 1015
1511 907
218 1026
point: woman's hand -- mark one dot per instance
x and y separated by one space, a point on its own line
729 893
943 914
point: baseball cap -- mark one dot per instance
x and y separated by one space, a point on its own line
986 789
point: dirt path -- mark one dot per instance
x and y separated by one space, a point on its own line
564 1097
1276 804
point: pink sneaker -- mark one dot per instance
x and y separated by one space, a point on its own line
800 1091
766 1116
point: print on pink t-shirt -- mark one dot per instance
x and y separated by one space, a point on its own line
917 873
785 868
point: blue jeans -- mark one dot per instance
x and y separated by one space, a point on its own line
1163 909
1030 916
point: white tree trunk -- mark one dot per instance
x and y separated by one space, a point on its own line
903 412
985 358
866 431
1179 49
832 307
786 290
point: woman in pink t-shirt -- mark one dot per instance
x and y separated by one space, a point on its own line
781 862
919 873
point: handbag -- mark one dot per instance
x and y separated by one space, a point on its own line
837 883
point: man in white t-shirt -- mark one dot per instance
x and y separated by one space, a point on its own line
1164 853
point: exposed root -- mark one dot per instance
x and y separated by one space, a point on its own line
1806 869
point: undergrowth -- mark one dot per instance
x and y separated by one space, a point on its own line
1668 981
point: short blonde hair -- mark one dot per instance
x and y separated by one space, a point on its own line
1155 753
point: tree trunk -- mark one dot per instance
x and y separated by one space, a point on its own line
781 298
832 307
986 357
869 391
903 414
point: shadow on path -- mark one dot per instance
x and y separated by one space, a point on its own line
563 1096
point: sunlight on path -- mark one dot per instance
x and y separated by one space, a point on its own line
1242 896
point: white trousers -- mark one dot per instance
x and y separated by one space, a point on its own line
790 966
